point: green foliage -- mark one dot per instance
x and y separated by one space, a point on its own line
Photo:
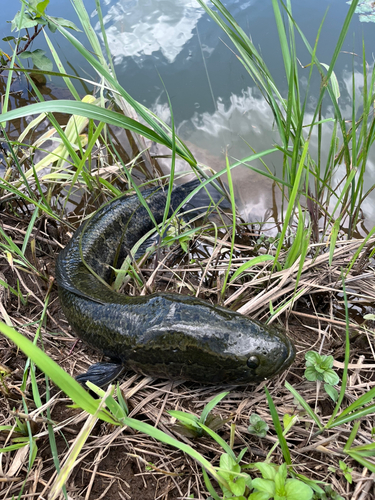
257 426
332 392
319 367
4 373
352 413
33 15
191 426
275 484
237 481
38 58
327 494
305 174
26 20
54 372
254 262
347 471
278 428
300 243
179 231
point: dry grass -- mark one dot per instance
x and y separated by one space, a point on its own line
120 463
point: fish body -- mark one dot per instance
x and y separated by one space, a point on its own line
162 335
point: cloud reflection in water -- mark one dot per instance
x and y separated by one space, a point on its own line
142 27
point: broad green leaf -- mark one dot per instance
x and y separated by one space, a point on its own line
228 463
265 485
238 486
259 495
311 374
312 357
331 391
41 7
268 471
38 58
27 22
331 377
297 490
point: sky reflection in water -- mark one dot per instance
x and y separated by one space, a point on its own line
215 106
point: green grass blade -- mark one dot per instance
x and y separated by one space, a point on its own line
252 262
209 486
361 460
282 38
211 405
61 68
367 449
219 440
278 428
334 235
352 436
346 417
30 227
13 447
304 405
89 111
164 438
75 450
173 163
347 357
360 248
292 200
295 249
139 108
233 236
62 379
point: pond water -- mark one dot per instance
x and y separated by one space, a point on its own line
217 109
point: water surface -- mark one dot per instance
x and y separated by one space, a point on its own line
173 46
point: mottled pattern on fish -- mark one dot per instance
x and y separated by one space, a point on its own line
162 335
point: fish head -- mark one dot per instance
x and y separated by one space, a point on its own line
214 345
244 351
257 352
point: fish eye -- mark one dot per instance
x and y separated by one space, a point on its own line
253 362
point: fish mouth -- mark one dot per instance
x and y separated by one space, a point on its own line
289 358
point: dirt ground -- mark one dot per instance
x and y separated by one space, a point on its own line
119 463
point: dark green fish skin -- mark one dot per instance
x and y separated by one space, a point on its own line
161 335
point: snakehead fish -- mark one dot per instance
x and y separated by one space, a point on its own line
163 334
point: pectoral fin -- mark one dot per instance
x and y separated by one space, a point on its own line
101 374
